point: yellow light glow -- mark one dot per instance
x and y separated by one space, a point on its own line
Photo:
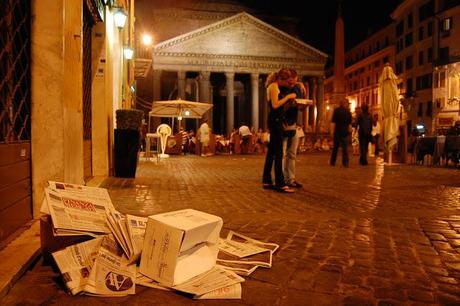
128 53
119 16
147 39
353 104
328 108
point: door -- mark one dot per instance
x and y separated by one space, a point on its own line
15 136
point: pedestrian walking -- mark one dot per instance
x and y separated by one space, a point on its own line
341 123
376 134
364 134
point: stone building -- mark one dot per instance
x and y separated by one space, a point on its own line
446 74
223 57
421 44
62 76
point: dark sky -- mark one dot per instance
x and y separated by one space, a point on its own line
317 21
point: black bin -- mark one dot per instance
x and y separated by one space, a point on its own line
127 144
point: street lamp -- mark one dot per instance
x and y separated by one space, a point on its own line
128 52
120 16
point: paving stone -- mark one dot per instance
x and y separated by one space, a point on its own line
345 238
357 301
390 293
420 295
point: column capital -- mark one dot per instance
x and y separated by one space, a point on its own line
205 75
255 76
229 75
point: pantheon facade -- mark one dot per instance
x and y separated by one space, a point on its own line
222 55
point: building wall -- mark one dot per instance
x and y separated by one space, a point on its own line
434 50
56 99
363 65
446 74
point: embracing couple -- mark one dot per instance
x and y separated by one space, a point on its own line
282 90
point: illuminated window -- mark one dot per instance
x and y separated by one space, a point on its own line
436 80
442 79
446 24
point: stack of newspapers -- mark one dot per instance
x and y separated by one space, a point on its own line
173 251
77 210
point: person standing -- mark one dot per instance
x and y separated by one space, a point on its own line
341 123
275 123
290 137
203 135
364 134
376 134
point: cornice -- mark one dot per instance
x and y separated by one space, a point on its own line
244 17
204 56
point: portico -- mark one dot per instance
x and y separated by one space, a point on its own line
239 46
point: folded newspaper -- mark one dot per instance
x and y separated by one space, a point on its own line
77 210
129 231
243 255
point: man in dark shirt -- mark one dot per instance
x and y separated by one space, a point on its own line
364 132
341 121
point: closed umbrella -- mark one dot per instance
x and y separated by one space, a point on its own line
389 99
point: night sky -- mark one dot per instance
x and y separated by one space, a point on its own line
317 22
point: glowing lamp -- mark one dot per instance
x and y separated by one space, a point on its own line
119 16
128 52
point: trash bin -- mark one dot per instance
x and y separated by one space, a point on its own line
127 141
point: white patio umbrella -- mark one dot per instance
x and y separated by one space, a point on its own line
181 109
389 99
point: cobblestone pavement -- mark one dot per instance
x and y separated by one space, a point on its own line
375 235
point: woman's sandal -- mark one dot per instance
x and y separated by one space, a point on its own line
285 189
268 186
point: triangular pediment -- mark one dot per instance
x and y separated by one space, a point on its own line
241 35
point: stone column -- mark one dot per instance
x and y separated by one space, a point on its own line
56 101
204 94
156 85
320 104
230 101
181 84
99 127
305 119
155 121
255 100
306 111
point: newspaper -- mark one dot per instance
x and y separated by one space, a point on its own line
245 265
239 249
129 231
77 213
263 259
304 101
112 275
93 192
214 279
148 282
75 263
136 228
233 236
240 268
228 292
